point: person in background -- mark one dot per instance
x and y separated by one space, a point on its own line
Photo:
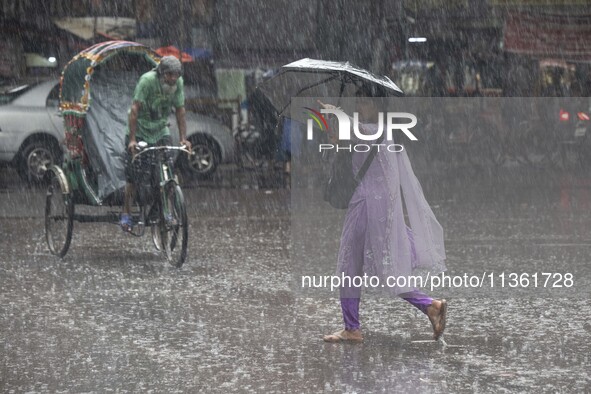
291 136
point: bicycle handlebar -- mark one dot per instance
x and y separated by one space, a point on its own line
182 148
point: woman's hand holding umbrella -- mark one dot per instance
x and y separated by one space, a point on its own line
332 135
327 106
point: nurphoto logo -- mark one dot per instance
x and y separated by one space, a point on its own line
392 123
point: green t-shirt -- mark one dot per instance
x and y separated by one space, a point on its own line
156 105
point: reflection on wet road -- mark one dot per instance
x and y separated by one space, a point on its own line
113 316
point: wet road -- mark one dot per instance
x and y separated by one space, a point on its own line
113 316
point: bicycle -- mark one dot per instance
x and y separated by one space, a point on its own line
164 203
159 204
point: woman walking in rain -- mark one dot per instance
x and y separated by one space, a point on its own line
376 239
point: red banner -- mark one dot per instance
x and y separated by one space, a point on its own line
565 37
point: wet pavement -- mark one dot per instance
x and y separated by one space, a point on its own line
113 316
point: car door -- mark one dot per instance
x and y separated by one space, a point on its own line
52 106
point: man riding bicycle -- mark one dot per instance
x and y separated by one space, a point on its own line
156 92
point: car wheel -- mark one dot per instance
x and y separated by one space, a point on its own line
204 160
36 158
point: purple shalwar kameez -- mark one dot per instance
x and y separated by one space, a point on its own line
376 239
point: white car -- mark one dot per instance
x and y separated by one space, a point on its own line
32 132
31 129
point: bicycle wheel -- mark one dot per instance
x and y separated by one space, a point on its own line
156 238
174 227
59 218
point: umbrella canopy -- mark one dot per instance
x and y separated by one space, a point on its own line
174 51
320 78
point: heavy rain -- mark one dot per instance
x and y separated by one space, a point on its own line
230 275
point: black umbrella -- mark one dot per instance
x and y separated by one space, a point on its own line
321 78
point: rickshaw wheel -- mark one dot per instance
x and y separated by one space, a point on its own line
174 232
59 218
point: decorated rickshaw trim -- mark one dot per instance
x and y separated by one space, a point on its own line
96 55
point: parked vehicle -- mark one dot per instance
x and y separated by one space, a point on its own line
32 132
456 130
212 143
464 131
572 130
256 140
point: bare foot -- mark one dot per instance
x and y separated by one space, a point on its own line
437 313
344 336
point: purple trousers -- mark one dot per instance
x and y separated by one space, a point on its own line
350 307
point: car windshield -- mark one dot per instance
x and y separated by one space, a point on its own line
11 93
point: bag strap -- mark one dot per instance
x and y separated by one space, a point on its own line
373 152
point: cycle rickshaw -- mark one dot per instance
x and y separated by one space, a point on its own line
96 88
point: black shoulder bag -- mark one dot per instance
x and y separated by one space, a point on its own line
341 183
